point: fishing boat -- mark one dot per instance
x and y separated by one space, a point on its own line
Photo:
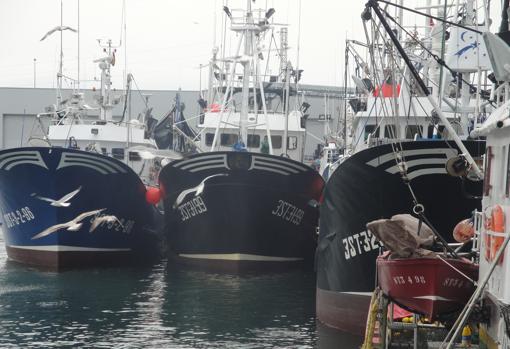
79 197
428 286
419 272
491 297
245 201
404 147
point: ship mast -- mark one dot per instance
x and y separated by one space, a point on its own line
246 62
59 75
105 100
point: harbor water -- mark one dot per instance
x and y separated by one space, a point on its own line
159 307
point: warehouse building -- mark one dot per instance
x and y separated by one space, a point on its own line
20 106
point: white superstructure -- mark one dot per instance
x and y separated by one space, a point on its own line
250 123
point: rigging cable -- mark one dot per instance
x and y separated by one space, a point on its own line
438 59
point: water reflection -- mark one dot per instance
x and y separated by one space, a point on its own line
161 306
275 310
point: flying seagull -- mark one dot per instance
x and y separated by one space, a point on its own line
198 189
58 28
72 225
62 202
104 219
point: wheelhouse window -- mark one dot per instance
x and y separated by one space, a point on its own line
228 139
118 153
441 133
390 131
291 142
209 138
412 130
253 141
134 156
369 129
276 142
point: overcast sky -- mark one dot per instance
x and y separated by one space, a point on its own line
167 40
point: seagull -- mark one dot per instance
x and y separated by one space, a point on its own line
58 28
104 219
199 189
72 225
62 202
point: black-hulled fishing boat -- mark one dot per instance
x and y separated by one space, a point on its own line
402 147
246 201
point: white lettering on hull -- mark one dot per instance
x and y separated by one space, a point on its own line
360 243
288 212
18 217
192 208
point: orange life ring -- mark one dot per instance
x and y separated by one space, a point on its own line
497 225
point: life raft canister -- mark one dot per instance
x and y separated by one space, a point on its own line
497 225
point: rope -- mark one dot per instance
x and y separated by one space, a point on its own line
457 270
430 16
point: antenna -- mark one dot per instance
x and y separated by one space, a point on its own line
35 61
284 46
59 75
78 73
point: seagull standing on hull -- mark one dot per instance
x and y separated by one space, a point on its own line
199 189
62 202
72 225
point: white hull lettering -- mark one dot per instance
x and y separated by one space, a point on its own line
17 217
360 243
192 208
288 212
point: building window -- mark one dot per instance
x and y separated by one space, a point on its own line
276 142
291 142
412 130
369 129
209 138
253 141
228 139
118 153
324 116
390 131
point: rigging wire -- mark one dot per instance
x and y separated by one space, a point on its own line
438 59
427 15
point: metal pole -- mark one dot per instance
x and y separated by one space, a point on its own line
35 61
345 94
287 95
248 37
78 73
227 92
59 76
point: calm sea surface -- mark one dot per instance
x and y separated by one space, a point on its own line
159 307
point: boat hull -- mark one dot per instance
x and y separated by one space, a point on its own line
367 186
431 287
255 211
29 176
